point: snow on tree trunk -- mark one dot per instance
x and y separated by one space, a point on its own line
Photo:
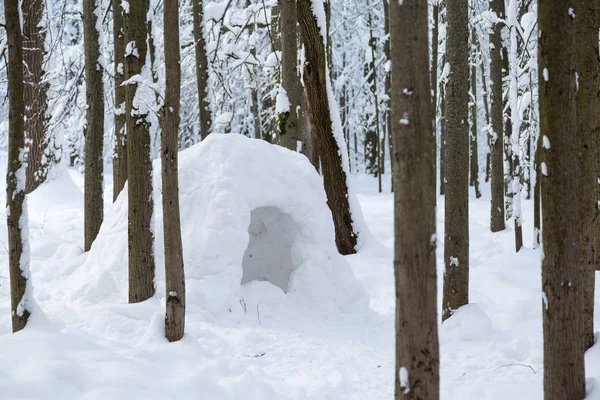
516 122
35 90
326 127
413 163
138 93
201 68
21 296
562 275
289 98
120 149
456 235
497 221
94 129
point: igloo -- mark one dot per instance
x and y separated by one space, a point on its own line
250 211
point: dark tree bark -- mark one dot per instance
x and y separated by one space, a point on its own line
201 69
497 221
433 69
587 22
94 130
413 161
140 200
317 105
443 134
174 273
16 206
456 236
537 194
562 274
474 166
387 85
35 91
120 150
290 123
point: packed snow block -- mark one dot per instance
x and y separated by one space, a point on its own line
250 211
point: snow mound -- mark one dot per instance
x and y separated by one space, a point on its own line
250 211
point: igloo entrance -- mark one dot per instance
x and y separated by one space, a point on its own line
269 254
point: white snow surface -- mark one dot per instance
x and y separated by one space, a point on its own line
85 343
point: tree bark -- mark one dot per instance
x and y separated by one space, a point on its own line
120 150
94 130
456 236
587 22
474 166
140 200
497 221
413 162
201 69
16 204
174 272
317 90
562 274
387 84
35 91
290 123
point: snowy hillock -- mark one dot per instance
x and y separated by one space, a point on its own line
255 228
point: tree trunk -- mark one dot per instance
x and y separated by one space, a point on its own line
537 194
433 69
201 69
562 274
443 134
140 200
94 130
413 161
329 148
474 132
174 273
290 122
387 84
588 103
16 204
120 150
456 236
484 95
497 221
35 91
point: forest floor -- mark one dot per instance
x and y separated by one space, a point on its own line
490 349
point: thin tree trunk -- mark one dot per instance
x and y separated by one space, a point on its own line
174 273
433 69
443 135
140 200
562 274
515 178
497 221
373 87
387 84
413 161
318 90
474 132
120 150
484 95
201 69
588 105
35 91
16 204
537 194
290 122
456 235
94 130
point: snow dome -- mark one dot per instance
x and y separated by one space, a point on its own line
250 211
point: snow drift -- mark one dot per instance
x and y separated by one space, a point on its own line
250 211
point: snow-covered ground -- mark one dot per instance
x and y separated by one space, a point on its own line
269 347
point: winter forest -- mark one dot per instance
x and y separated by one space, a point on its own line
299 199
